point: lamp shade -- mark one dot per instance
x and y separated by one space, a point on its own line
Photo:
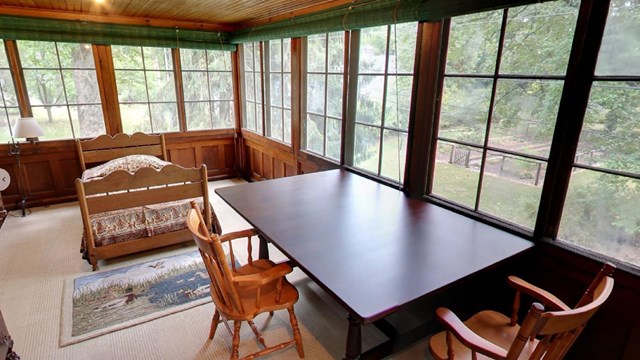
27 128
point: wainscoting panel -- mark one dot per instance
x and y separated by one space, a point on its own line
49 168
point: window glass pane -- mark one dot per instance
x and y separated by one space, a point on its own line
315 93
473 43
219 60
88 119
287 126
620 48
403 43
367 148
221 86
135 117
601 214
510 188
336 52
223 114
276 89
54 121
316 53
38 54
131 86
286 55
286 83
9 111
161 86
164 117
248 56
250 90
191 59
456 173
259 118
394 150
76 56
157 58
334 137
275 55
198 115
314 127
276 123
250 116
147 92
258 88
334 96
127 57
548 28
57 76
609 136
525 115
373 47
192 85
369 103
398 102
464 109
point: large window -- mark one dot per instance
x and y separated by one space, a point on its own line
499 107
63 90
267 70
322 125
207 83
9 110
601 209
278 118
252 90
383 87
146 89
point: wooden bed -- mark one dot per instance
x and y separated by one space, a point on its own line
162 192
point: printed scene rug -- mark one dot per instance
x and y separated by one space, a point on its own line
111 300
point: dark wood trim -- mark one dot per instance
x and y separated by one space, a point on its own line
105 74
351 85
592 19
296 95
11 48
424 110
345 92
177 74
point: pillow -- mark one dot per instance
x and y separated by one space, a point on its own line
130 163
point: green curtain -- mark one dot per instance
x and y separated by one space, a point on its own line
23 28
368 14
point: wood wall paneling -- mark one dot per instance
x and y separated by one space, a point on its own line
267 166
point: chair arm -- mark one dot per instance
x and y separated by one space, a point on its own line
264 277
238 234
469 338
547 299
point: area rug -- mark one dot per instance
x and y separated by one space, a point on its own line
111 300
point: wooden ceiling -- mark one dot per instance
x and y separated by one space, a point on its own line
226 15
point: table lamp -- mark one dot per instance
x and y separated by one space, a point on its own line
29 129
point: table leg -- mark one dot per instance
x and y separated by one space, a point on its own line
263 251
354 339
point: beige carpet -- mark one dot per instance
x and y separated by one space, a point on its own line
39 251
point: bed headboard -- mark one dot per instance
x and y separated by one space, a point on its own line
105 147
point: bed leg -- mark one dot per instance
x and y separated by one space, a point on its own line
94 263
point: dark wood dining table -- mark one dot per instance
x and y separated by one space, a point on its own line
371 247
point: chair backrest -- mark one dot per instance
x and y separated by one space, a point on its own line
558 330
223 290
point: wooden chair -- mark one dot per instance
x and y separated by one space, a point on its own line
543 334
241 293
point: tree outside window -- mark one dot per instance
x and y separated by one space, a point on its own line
9 110
146 89
499 106
63 89
322 125
208 89
383 86
601 211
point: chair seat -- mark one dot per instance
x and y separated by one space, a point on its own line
490 325
268 292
